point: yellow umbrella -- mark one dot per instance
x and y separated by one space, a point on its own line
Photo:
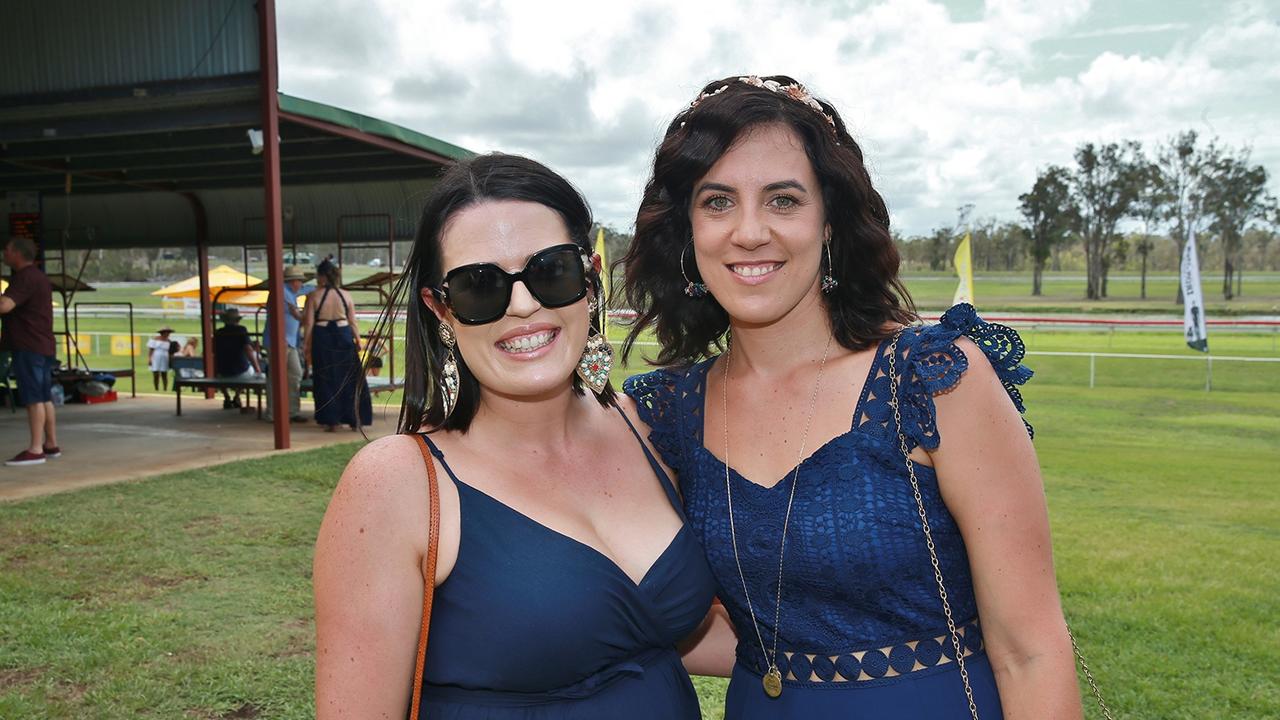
244 297
220 277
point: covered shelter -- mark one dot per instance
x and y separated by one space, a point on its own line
146 123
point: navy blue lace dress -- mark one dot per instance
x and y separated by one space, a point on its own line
862 633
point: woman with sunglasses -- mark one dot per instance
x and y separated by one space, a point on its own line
564 575
864 487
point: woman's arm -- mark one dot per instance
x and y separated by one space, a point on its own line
709 650
308 323
990 479
368 585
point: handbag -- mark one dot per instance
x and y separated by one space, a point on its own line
933 553
428 576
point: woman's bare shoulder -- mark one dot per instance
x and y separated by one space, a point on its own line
382 475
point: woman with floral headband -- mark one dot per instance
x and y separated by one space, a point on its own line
864 487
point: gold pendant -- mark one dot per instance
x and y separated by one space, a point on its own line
772 682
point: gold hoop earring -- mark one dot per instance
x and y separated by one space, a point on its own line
449 378
597 357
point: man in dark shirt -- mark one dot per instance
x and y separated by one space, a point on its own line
233 354
26 330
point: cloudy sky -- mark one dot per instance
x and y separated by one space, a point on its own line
954 102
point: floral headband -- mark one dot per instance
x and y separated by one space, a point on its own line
795 91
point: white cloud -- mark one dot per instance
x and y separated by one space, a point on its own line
947 111
1130 30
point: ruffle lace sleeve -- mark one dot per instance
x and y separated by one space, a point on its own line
936 365
657 396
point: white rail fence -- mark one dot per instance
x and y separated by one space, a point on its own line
1093 357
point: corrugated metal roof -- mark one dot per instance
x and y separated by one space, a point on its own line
73 44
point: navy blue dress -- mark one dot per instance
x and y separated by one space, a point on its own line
337 380
532 624
862 633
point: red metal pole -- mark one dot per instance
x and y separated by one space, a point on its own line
278 388
202 268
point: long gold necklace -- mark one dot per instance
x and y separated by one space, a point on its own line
772 680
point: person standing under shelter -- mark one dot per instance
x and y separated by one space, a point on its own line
158 349
26 330
233 355
293 288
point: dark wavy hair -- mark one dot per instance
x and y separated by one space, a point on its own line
869 299
492 177
330 272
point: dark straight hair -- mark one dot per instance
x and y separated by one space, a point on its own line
869 299
492 177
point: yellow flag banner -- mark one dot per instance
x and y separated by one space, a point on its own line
964 269
604 264
604 284
124 345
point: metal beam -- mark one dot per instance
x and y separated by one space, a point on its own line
129 123
153 142
278 388
202 264
385 143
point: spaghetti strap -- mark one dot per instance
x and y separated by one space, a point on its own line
438 454
673 495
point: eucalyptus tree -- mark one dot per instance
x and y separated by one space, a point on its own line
1051 214
1104 186
1149 208
1184 165
1235 194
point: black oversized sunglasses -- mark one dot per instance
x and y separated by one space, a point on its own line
479 293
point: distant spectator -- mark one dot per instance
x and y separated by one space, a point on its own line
27 331
158 358
289 359
189 348
233 355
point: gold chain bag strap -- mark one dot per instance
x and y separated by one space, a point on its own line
428 576
933 552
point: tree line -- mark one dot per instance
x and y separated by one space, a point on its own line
1184 188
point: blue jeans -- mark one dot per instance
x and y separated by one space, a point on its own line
35 377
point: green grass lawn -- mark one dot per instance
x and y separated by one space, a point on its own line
1065 292
188 595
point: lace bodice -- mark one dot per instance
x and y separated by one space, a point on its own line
857 571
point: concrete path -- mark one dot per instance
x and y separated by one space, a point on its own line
140 437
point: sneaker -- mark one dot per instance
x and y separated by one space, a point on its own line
52 452
26 457
297 418
227 404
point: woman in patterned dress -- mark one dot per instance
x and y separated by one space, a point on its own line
762 261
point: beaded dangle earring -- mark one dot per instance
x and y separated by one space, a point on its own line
692 289
449 379
597 357
829 283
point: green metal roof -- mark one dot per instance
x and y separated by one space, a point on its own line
372 126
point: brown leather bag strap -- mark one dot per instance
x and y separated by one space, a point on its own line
428 575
